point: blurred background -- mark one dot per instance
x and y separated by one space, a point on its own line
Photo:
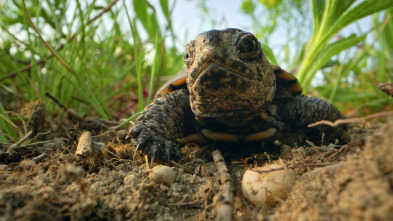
107 58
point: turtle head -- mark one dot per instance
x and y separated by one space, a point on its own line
228 74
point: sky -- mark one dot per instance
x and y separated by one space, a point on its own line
187 17
188 21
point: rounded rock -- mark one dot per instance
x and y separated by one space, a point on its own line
267 188
162 174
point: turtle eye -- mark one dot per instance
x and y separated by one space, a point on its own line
248 45
249 48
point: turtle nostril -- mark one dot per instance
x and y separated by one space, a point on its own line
211 38
208 40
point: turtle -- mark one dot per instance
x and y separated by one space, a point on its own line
229 92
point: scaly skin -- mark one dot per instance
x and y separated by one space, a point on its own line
161 123
170 117
233 93
300 111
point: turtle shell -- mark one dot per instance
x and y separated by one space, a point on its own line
177 82
285 80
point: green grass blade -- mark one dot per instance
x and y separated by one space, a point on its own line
332 22
269 53
387 33
165 8
153 74
6 126
138 57
129 119
363 9
331 50
333 10
318 7
88 95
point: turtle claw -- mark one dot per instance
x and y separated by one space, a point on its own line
153 157
177 152
153 150
136 150
156 129
134 132
167 155
172 152
155 146
138 147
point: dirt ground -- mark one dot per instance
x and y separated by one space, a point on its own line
43 178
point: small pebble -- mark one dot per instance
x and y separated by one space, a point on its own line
162 174
267 188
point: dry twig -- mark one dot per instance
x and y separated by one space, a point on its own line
178 165
40 157
296 166
352 120
224 199
195 202
10 148
147 162
207 205
200 151
345 148
85 145
35 144
56 101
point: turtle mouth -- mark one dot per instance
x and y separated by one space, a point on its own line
219 74
214 75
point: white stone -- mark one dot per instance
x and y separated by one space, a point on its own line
267 188
162 174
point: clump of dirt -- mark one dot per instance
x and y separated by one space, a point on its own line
118 192
43 177
360 188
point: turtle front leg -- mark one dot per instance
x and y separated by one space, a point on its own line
300 111
163 121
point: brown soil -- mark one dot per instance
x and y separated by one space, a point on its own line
48 181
